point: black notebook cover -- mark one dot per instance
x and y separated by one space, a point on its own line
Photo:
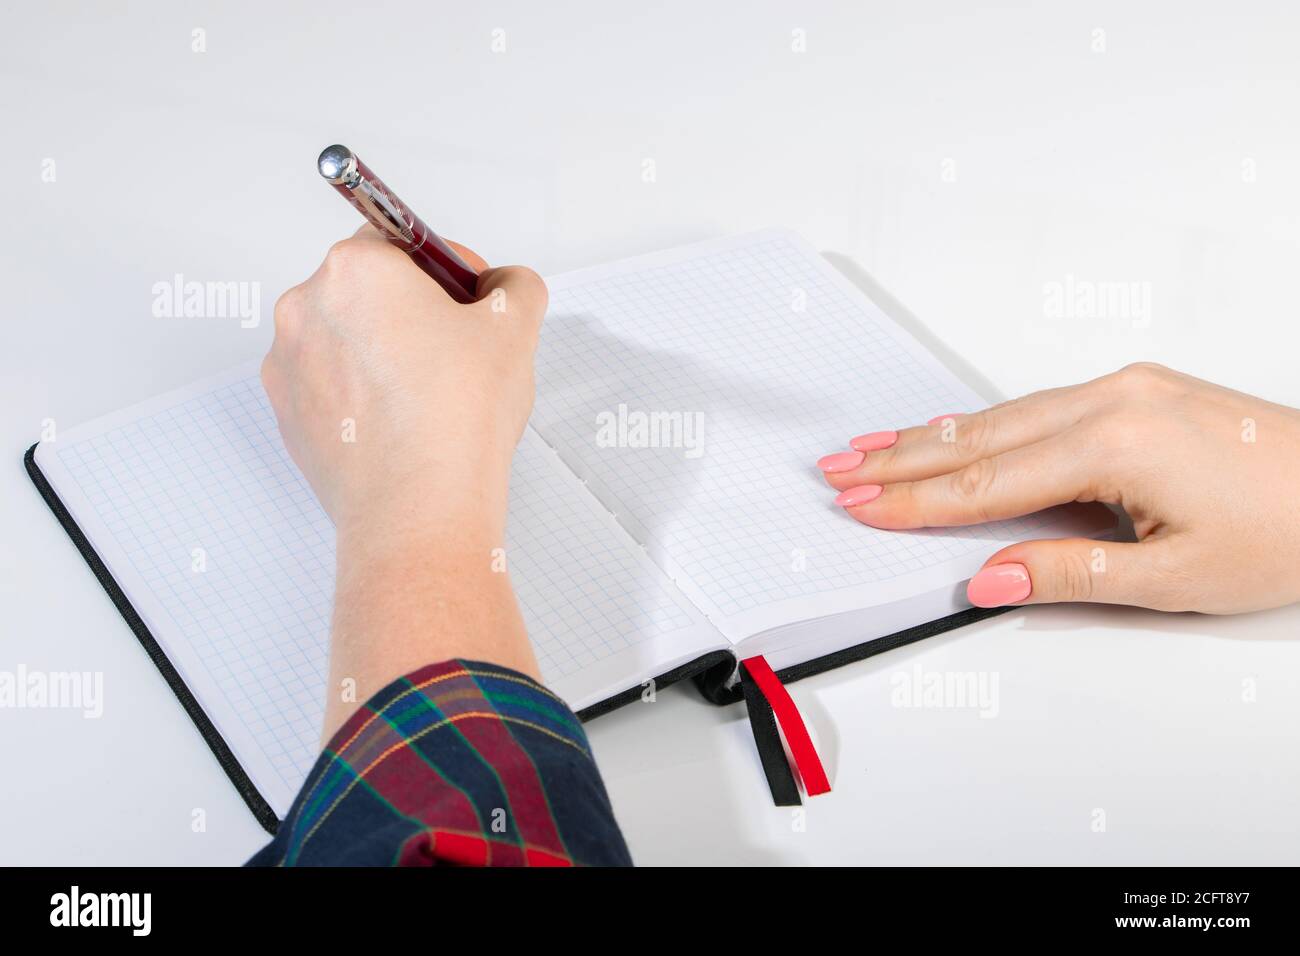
713 674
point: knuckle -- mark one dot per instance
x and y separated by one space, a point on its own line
1146 369
973 434
1141 378
883 464
1074 576
972 484
528 292
527 278
287 311
341 248
343 256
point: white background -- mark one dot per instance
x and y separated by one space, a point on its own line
1127 164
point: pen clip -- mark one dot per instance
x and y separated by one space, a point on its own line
383 211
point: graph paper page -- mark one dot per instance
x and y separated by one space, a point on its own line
776 360
214 535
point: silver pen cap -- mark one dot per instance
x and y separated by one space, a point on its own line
342 170
338 165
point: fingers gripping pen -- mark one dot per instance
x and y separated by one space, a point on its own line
353 180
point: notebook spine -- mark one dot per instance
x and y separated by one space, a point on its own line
225 757
712 667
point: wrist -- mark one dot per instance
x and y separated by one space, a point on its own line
434 495
433 516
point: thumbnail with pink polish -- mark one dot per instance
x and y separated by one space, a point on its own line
999 585
840 461
875 441
858 496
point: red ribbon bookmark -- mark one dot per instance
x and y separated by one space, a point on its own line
806 762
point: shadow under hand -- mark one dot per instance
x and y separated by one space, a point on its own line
1277 624
735 408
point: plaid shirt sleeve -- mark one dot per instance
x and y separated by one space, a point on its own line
458 763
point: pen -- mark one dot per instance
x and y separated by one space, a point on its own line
396 222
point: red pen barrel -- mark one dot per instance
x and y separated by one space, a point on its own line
440 263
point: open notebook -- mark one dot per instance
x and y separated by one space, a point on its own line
666 516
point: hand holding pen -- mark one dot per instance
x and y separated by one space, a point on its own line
401 407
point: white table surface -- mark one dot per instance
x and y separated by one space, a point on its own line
961 159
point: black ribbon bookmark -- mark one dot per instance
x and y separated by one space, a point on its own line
762 721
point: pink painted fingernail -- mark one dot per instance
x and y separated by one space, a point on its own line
999 585
938 419
858 496
874 441
840 461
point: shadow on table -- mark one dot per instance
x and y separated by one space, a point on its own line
1279 624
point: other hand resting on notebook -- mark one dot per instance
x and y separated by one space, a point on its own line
402 407
1208 476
